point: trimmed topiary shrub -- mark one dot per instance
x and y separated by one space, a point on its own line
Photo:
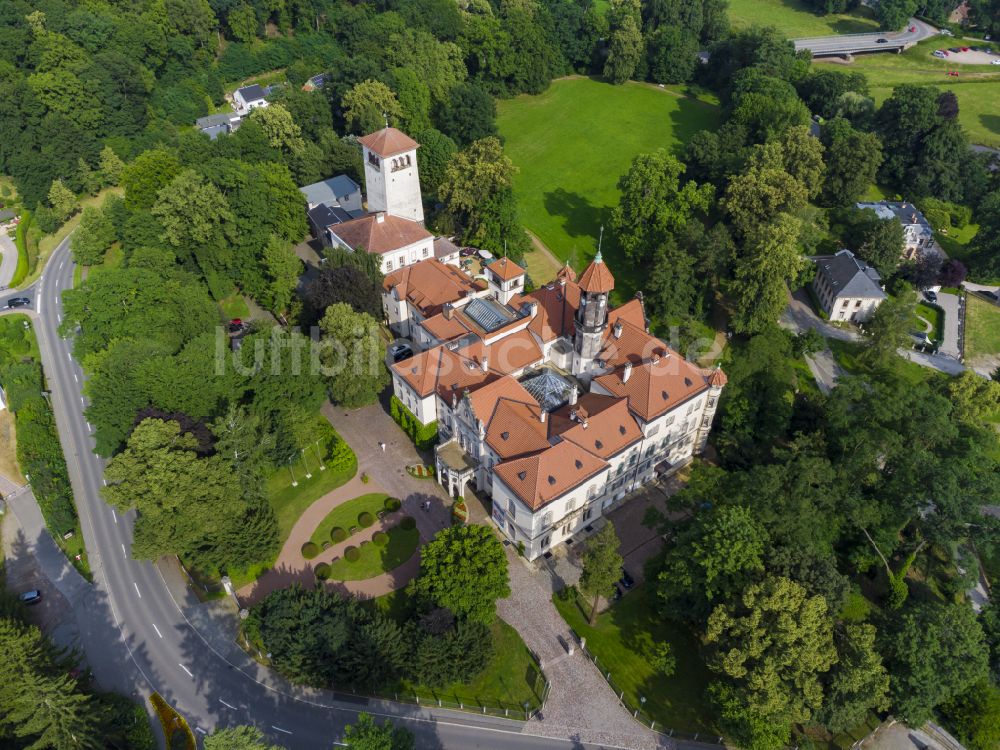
337 534
322 571
392 504
365 519
409 522
351 554
380 539
310 550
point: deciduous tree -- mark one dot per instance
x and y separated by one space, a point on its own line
465 570
602 566
369 105
367 734
770 260
354 355
625 46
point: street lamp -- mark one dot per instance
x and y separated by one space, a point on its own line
526 704
294 481
322 466
308 473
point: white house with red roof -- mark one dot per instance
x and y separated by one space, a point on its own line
553 403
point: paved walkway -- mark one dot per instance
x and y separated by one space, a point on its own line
799 317
953 313
364 429
8 259
580 702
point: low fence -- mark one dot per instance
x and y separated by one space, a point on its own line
639 713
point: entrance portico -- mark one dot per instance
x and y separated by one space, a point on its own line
454 467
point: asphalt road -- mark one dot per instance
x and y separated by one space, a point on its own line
843 44
137 639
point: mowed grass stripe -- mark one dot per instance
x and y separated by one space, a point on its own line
573 142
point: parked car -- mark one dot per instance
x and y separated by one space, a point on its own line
236 325
965 49
399 352
626 581
18 302
30 597
994 62
881 40
939 53
912 29
995 296
945 32
954 49
467 251
930 296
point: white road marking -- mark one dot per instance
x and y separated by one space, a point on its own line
280 729
156 629
199 729
69 356
186 670
115 516
137 589
90 426
76 378
123 551
38 304
104 481
59 317
227 705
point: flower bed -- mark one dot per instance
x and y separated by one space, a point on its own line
420 471
459 513
175 729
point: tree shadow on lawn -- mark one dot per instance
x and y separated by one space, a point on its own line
991 123
681 697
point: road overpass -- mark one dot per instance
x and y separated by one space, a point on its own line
846 45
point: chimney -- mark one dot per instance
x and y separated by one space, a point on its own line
573 395
586 424
543 416
532 309
486 364
454 399
380 217
449 311
617 330
628 372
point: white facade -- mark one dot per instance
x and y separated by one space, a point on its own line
393 184
244 106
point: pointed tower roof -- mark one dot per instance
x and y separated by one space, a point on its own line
597 278
388 142
566 273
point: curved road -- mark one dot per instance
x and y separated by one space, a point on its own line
844 44
138 640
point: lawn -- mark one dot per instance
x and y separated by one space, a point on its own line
511 679
977 87
346 515
573 142
375 560
234 306
796 20
934 315
982 327
621 639
846 354
8 449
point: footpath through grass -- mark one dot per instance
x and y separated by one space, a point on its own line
573 142
622 638
982 327
796 20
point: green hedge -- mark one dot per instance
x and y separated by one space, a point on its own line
424 437
351 554
322 571
21 241
365 519
310 550
380 539
409 522
392 504
337 534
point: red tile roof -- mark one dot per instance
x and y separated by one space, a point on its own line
631 344
567 273
544 476
607 433
597 277
514 352
516 428
442 371
654 387
557 304
429 284
444 329
388 142
505 269
484 399
380 233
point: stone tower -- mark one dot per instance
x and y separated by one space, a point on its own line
391 178
592 316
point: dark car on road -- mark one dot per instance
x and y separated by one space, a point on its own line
881 40
626 581
30 597
18 302
930 296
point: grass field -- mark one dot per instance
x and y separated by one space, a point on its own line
977 87
846 353
982 328
932 314
573 142
796 20
375 560
621 638
346 515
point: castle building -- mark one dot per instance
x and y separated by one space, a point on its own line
553 403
